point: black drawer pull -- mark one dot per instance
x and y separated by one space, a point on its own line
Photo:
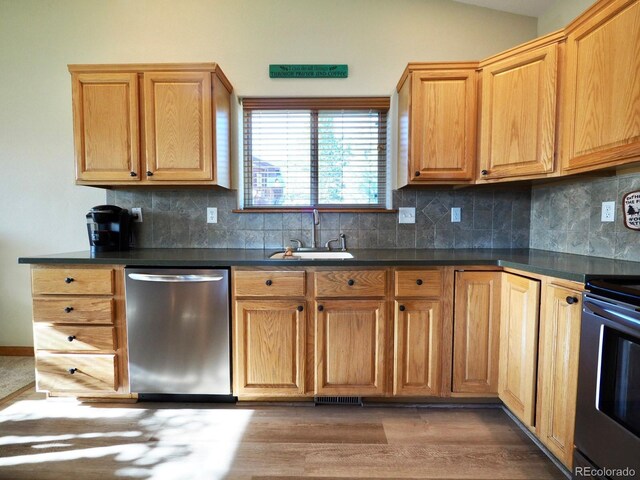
485 172
417 173
419 281
71 338
571 300
133 174
68 309
149 173
72 370
351 282
68 280
402 308
320 308
268 283
300 308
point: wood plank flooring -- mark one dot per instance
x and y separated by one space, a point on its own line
60 439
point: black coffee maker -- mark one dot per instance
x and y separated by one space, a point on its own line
108 227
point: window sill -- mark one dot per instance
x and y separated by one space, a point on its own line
321 210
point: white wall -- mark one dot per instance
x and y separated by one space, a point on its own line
560 14
42 211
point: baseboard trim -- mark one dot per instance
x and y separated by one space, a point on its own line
16 351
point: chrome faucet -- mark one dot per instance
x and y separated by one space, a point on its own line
314 227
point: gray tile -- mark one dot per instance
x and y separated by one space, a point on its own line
435 210
483 199
558 240
501 215
288 235
111 197
291 221
482 218
330 221
198 235
161 201
352 238
425 237
348 221
520 238
273 221
463 238
406 236
482 238
273 239
627 244
408 198
367 239
501 238
326 235
387 221
367 221
578 241
236 239
386 239
396 198
252 221
218 238
444 238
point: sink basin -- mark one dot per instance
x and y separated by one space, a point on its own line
313 256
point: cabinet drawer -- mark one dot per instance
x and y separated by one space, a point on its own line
418 283
91 373
73 310
74 338
269 284
73 281
363 283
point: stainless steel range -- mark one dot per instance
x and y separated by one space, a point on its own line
607 435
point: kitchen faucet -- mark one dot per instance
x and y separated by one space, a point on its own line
314 226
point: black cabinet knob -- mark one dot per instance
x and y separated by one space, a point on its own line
485 172
149 173
71 338
133 174
351 282
68 280
402 308
300 308
417 174
419 281
320 308
68 309
571 300
72 370
268 283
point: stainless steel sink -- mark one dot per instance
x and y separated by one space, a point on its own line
312 256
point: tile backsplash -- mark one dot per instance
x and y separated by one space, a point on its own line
566 218
491 218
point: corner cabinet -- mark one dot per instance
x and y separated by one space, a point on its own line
144 124
437 108
518 111
601 115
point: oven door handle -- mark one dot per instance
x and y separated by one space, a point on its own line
185 278
612 315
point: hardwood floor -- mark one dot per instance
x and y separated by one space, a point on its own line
61 439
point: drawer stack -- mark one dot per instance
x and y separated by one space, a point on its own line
77 322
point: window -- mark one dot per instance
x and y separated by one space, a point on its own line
315 152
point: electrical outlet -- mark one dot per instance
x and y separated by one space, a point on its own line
456 214
212 215
137 214
406 215
608 212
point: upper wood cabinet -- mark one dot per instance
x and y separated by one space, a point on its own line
147 124
558 370
437 123
518 111
601 106
476 332
519 316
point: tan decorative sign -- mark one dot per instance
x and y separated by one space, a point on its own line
631 207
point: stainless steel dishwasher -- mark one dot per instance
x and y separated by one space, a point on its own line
178 327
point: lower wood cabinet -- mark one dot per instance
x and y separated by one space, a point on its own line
350 343
417 346
476 332
558 370
270 347
520 301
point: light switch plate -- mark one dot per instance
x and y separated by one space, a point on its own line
406 215
137 214
212 215
456 214
608 212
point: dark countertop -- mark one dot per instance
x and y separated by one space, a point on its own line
562 265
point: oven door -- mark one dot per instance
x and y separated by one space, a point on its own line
608 408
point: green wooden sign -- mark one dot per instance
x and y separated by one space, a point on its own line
308 71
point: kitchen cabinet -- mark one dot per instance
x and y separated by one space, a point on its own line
518 111
476 334
519 317
437 109
350 340
80 330
418 323
269 325
558 370
601 105
144 124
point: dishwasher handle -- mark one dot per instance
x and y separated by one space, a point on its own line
183 278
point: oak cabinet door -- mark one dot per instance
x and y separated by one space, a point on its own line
105 126
350 347
558 370
517 136
443 125
476 332
418 332
178 126
270 347
601 118
519 315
